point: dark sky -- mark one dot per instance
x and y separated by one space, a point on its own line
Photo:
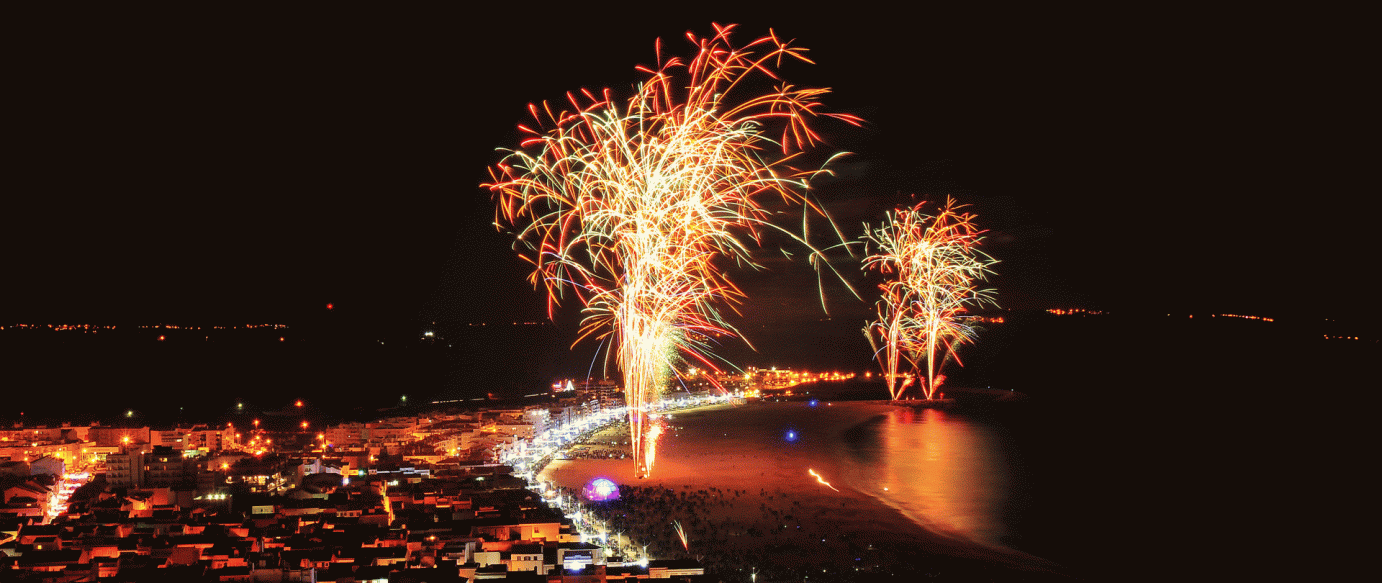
213 168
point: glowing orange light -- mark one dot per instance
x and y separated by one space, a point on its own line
298 403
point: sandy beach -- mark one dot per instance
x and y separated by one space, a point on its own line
737 478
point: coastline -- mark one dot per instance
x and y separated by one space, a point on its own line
753 472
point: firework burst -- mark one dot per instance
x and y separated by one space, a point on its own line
936 268
636 208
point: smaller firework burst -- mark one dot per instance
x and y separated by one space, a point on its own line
935 269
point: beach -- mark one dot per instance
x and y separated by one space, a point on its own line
738 479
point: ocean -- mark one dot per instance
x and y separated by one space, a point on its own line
977 477
1021 475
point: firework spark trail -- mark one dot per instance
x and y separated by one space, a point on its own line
936 268
681 534
654 432
820 479
637 209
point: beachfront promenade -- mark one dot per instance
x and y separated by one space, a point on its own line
608 429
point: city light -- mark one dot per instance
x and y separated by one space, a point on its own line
1073 312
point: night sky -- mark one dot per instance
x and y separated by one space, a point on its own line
235 168
223 168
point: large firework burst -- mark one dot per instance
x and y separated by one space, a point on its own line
936 269
638 208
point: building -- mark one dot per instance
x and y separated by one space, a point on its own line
48 465
164 467
120 436
197 437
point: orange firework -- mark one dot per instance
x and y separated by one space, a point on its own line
637 208
936 268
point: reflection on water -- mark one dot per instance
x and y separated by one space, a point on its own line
942 470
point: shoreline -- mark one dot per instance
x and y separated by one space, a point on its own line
783 508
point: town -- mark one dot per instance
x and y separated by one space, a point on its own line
445 495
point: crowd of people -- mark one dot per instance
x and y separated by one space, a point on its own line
770 533
596 453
